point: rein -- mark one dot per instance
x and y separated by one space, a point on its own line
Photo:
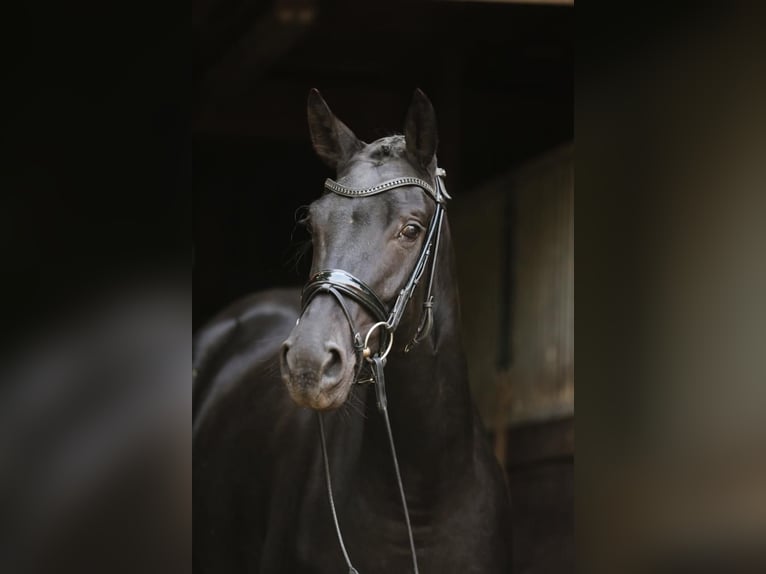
340 284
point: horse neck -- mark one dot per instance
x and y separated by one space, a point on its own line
429 401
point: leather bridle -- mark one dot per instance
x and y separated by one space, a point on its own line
342 284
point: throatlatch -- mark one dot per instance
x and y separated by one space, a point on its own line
339 283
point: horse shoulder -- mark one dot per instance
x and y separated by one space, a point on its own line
243 337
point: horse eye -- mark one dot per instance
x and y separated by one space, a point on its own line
410 231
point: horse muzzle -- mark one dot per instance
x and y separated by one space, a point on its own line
317 370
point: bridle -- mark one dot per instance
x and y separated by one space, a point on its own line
341 284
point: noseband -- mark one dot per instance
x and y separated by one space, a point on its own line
340 284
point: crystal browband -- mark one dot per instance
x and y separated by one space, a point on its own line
336 187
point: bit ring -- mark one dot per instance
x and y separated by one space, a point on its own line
366 352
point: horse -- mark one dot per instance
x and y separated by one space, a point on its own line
292 440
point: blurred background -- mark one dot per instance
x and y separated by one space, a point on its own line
501 78
671 220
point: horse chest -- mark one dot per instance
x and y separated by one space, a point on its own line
374 531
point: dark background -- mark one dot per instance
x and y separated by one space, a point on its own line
499 75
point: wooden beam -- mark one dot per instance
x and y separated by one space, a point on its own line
541 2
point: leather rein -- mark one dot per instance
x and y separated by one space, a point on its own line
341 284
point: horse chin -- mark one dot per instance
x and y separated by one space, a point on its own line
325 402
323 399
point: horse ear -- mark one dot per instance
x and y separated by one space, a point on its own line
420 130
333 141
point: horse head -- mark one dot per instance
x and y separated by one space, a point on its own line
367 245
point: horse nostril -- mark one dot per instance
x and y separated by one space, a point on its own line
283 356
333 367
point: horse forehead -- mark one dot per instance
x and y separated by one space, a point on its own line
381 207
367 171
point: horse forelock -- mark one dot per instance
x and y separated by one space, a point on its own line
386 150
388 147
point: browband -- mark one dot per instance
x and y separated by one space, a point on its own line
336 187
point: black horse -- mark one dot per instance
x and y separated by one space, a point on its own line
260 495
